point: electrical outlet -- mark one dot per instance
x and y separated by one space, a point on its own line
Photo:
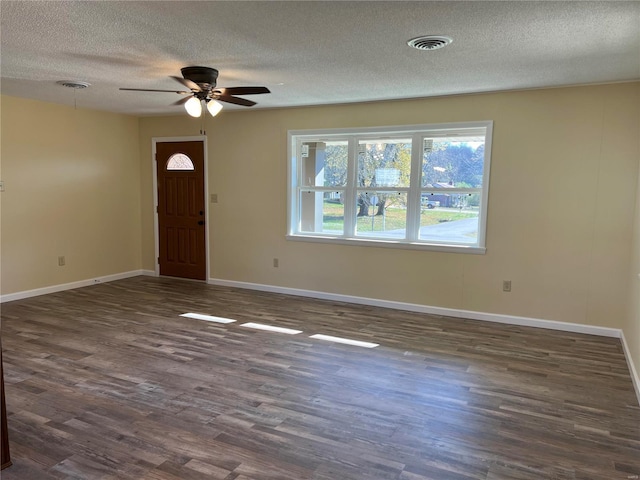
276 262
61 261
506 285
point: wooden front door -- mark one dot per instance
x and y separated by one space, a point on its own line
181 215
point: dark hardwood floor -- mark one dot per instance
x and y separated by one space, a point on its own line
108 382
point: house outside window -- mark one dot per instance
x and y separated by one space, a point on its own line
419 186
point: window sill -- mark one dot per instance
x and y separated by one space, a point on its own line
366 242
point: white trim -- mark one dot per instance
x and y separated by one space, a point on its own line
413 307
435 129
381 243
632 369
414 194
10 297
196 138
156 224
486 175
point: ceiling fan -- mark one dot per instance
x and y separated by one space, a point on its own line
201 82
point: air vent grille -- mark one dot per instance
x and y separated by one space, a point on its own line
430 42
73 84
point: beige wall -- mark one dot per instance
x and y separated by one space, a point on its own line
72 188
561 205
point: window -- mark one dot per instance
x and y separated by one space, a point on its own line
180 161
422 186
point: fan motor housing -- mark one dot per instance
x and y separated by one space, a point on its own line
200 75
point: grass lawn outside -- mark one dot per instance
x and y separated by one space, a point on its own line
394 218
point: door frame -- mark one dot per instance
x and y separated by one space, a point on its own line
156 234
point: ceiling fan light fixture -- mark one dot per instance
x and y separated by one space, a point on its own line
193 107
201 82
214 107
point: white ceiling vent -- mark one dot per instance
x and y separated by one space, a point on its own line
73 84
429 42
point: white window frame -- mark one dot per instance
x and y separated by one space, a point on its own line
417 133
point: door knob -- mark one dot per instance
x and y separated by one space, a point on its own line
201 222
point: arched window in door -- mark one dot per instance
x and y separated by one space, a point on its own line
179 161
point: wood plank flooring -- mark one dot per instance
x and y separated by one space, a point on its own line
108 382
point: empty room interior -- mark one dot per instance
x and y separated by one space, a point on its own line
320 240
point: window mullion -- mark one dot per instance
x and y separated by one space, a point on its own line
413 197
350 191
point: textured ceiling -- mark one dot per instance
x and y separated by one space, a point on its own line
310 53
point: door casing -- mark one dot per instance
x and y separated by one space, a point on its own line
156 232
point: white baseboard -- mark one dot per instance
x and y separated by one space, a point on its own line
413 307
70 286
632 369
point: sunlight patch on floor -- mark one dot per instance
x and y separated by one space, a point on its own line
271 328
287 331
346 341
207 318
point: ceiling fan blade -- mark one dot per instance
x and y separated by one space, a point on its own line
243 90
188 83
148 90
238 101
182 101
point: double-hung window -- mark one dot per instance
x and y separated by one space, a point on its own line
419 186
